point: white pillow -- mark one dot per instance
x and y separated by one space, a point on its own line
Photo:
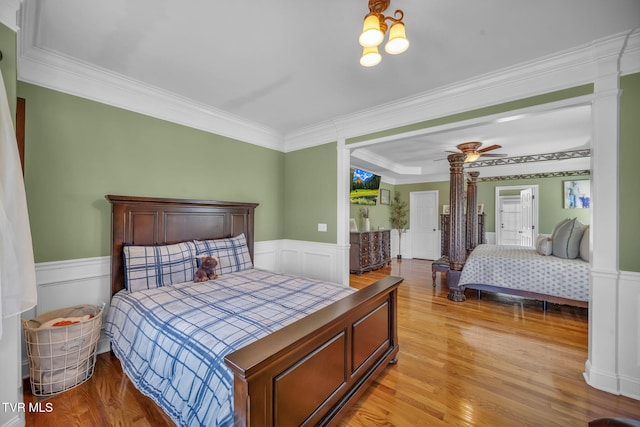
558 225
584 244
544 245
566 239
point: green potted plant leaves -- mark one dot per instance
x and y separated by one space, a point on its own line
398 217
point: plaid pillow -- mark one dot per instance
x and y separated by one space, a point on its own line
147 267
233 253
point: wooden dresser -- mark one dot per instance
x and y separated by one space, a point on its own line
370 250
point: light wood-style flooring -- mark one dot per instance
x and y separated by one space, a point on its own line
498 361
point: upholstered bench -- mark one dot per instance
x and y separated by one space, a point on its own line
440 265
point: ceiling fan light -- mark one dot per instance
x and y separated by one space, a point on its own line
398 42
370 57
472 157
371 35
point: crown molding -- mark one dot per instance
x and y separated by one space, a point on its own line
372 158
562 70
518 160
554 72
568 167
68 75
9 13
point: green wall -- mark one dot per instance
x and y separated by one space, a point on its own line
550 192
629 200
77 151
310 186
550 201
378 214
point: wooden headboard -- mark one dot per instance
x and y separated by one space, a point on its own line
159 221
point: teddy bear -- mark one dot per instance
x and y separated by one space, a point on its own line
207 269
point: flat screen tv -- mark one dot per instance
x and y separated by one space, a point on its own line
364 187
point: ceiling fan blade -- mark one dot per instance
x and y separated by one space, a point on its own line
492 155
489 148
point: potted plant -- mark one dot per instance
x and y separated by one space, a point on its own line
364 213
398 217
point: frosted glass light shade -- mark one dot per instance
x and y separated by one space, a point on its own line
398 42
371 35
370 57
472 157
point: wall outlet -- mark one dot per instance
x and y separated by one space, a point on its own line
322 227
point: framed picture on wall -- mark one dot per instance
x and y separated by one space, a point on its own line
577 194
384 196
446 209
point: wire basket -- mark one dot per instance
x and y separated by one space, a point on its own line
62 357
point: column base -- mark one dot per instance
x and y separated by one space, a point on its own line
456 293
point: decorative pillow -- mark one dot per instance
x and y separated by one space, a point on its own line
232 253
147 267
544 245
584 244
558 225
566 240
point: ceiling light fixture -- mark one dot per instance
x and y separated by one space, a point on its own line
472 157
374 29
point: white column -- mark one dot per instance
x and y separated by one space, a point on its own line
344 162
601 368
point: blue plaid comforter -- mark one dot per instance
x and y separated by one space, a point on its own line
172 340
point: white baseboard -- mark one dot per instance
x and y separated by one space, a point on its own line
629 334
614 365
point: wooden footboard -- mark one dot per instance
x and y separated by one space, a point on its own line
309 372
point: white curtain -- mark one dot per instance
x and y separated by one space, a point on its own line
17 268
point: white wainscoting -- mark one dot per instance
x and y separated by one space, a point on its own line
320 261
88 281
629 319
490 237
67 283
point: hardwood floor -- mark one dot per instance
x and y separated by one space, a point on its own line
498 361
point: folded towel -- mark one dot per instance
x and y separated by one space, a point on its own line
64 321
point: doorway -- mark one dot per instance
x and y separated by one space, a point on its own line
423 220
509 210
516 215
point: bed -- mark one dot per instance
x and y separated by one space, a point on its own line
522 271
556 270
296 360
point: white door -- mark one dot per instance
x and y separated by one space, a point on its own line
423 217
526 203
510 220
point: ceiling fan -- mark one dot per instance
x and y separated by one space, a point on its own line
473 151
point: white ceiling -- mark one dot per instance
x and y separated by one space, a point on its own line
290 64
